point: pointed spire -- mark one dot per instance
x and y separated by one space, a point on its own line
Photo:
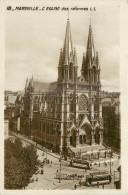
90 54
97 60
61 58
75 57
32 81
68 48
83 63
26 83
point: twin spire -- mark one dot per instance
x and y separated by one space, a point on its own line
67 69
67 53
67 48
68 59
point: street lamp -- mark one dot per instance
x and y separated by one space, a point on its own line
110 160
60 169
46 154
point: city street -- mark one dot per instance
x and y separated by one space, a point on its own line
47 180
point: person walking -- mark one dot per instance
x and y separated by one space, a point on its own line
110 178
75 186
42 172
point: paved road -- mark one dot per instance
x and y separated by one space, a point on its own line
48 181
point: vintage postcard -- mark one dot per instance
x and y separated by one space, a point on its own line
64 83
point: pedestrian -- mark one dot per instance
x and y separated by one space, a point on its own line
36 178
103 186
75 186
110 178
51 162
42 172
57 171
99 164
97 184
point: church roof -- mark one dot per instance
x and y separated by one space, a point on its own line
40 86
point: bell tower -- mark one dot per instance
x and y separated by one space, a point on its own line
67 68
90 64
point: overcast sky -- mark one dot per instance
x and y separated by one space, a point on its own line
33 41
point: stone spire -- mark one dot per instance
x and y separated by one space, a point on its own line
90 52
75 57
61 58
26 83
67 69
32 84
97 61
67 48
90 65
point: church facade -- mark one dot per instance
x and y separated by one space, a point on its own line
67 113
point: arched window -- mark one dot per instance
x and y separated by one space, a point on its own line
83 103
36 104
71 103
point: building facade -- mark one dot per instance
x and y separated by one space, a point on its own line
66 113
111 119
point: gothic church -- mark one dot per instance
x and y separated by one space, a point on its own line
66 114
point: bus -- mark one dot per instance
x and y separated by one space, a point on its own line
98 178
80 163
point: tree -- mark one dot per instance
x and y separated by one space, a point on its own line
20 164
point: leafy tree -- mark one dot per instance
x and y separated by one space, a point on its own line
20 164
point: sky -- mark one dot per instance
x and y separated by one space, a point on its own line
33 41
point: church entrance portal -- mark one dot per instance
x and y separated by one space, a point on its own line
73 138
82 139
87 137
97 136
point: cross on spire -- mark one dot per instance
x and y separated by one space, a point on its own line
68 13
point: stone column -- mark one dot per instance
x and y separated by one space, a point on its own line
93 138
76 107
92 111
100 110
101 137
68 140
62 122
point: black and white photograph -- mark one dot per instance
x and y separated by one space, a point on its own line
62 96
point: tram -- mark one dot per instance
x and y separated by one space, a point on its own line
98 178
80 163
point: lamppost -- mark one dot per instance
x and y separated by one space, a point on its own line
30 127
60 169
46 154
110 160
